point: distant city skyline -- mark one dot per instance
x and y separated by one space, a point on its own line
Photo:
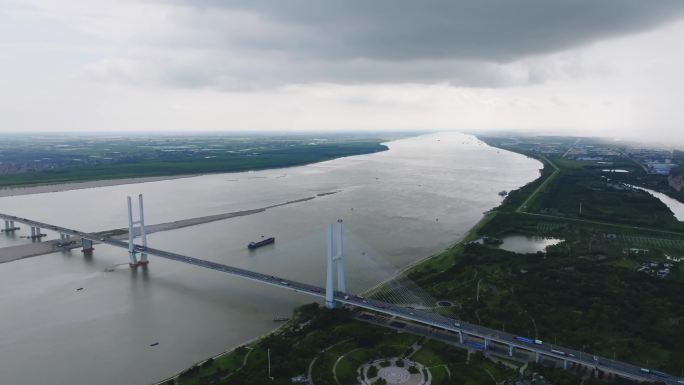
583 68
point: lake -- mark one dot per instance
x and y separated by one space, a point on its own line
526 244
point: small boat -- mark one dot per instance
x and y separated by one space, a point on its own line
281 319
154 344
79 289
503 193
263 242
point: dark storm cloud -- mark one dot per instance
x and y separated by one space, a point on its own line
496 30
264 43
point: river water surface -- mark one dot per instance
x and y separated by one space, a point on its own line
398 206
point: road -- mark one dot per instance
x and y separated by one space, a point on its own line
523 207
423 317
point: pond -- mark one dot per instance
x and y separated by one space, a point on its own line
523 244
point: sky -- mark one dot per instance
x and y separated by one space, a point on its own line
582 67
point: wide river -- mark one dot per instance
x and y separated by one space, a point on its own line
398 206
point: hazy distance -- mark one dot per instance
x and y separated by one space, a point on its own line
610 68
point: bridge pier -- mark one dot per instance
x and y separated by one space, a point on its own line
486 344
565 364
460 337
64 240
35 233
537 357
9 226
87 246
510 350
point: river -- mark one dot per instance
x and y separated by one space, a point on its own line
398 206
674 205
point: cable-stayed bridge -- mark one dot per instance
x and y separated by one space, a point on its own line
468 334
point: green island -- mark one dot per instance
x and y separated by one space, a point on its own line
611 284
28 160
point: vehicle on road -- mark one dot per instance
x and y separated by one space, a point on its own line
525 340
475 345
557 352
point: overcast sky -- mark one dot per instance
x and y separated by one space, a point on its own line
582 67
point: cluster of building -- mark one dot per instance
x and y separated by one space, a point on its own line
654 161
592 152
655 269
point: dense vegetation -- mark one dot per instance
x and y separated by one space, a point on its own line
585 292
586 303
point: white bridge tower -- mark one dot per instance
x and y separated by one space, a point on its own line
336 261
132 248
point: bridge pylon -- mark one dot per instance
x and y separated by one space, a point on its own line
334 262
132 247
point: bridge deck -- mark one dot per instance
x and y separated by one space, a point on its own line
438 321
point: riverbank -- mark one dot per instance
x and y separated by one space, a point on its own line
50 188
159 161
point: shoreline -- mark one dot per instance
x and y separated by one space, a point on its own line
69 186
11 191
223 353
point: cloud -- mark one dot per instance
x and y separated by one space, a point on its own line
584 67
490 30
253 44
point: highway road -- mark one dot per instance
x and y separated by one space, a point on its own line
423 317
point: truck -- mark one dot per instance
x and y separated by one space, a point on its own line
525 340
475 345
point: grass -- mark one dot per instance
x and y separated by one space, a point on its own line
428 356
440 376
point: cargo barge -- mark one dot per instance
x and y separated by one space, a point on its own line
263 242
